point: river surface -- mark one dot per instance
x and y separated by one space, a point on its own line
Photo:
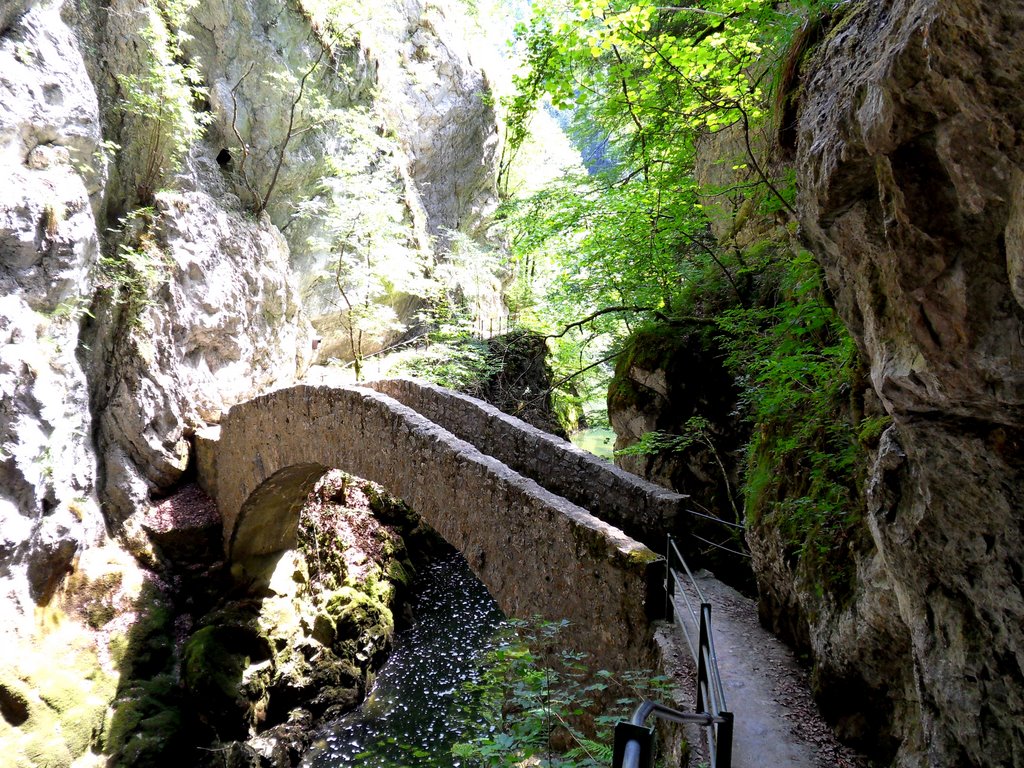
406 721
599 441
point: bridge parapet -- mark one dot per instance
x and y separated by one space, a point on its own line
538 553
642 509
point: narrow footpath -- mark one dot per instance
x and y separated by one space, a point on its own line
777 724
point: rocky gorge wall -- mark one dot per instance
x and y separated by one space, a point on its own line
909 169
141 293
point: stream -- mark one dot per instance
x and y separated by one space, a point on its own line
406 720
599 441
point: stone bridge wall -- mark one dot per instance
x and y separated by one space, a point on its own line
538 553
645 511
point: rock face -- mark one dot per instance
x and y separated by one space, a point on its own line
452 142
140 295
49 123
225 323
912 185
376 151
667 376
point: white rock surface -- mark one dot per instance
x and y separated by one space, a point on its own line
399 152
225 326
49 130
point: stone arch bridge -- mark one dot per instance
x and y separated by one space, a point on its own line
542 523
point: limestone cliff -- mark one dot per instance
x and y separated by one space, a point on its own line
149 280
910 176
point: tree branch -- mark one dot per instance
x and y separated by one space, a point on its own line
580 372
686 9
290 133
605 311
632 114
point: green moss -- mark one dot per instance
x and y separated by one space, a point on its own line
643 556
82 725
663 347
651 348
400 574
157 724
871 430
814 507
59 690
95 597
47 751
54 701
144 711
213 664
390 509
148 649
357 614
118 647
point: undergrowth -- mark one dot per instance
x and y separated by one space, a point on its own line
534 705
802 383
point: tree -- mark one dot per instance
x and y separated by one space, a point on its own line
361 215
640 86
160 122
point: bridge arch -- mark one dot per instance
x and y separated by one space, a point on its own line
536 552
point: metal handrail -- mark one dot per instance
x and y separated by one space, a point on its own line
634 742
720 521
710 690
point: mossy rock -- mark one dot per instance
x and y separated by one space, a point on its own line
377 586
357 614
214 662
46 751
390 509
148 649
94 598
323 630
144 711
53 704
401 574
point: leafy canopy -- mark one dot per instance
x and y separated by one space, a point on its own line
638 87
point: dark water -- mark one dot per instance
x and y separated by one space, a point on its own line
406 721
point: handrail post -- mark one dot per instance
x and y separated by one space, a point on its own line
724 741
702 646
670 584
633 746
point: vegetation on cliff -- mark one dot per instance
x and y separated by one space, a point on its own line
212 660
677 254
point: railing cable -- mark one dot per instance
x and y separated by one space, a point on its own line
634 742
706 516
721 546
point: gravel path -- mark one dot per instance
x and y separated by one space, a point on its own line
776 721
